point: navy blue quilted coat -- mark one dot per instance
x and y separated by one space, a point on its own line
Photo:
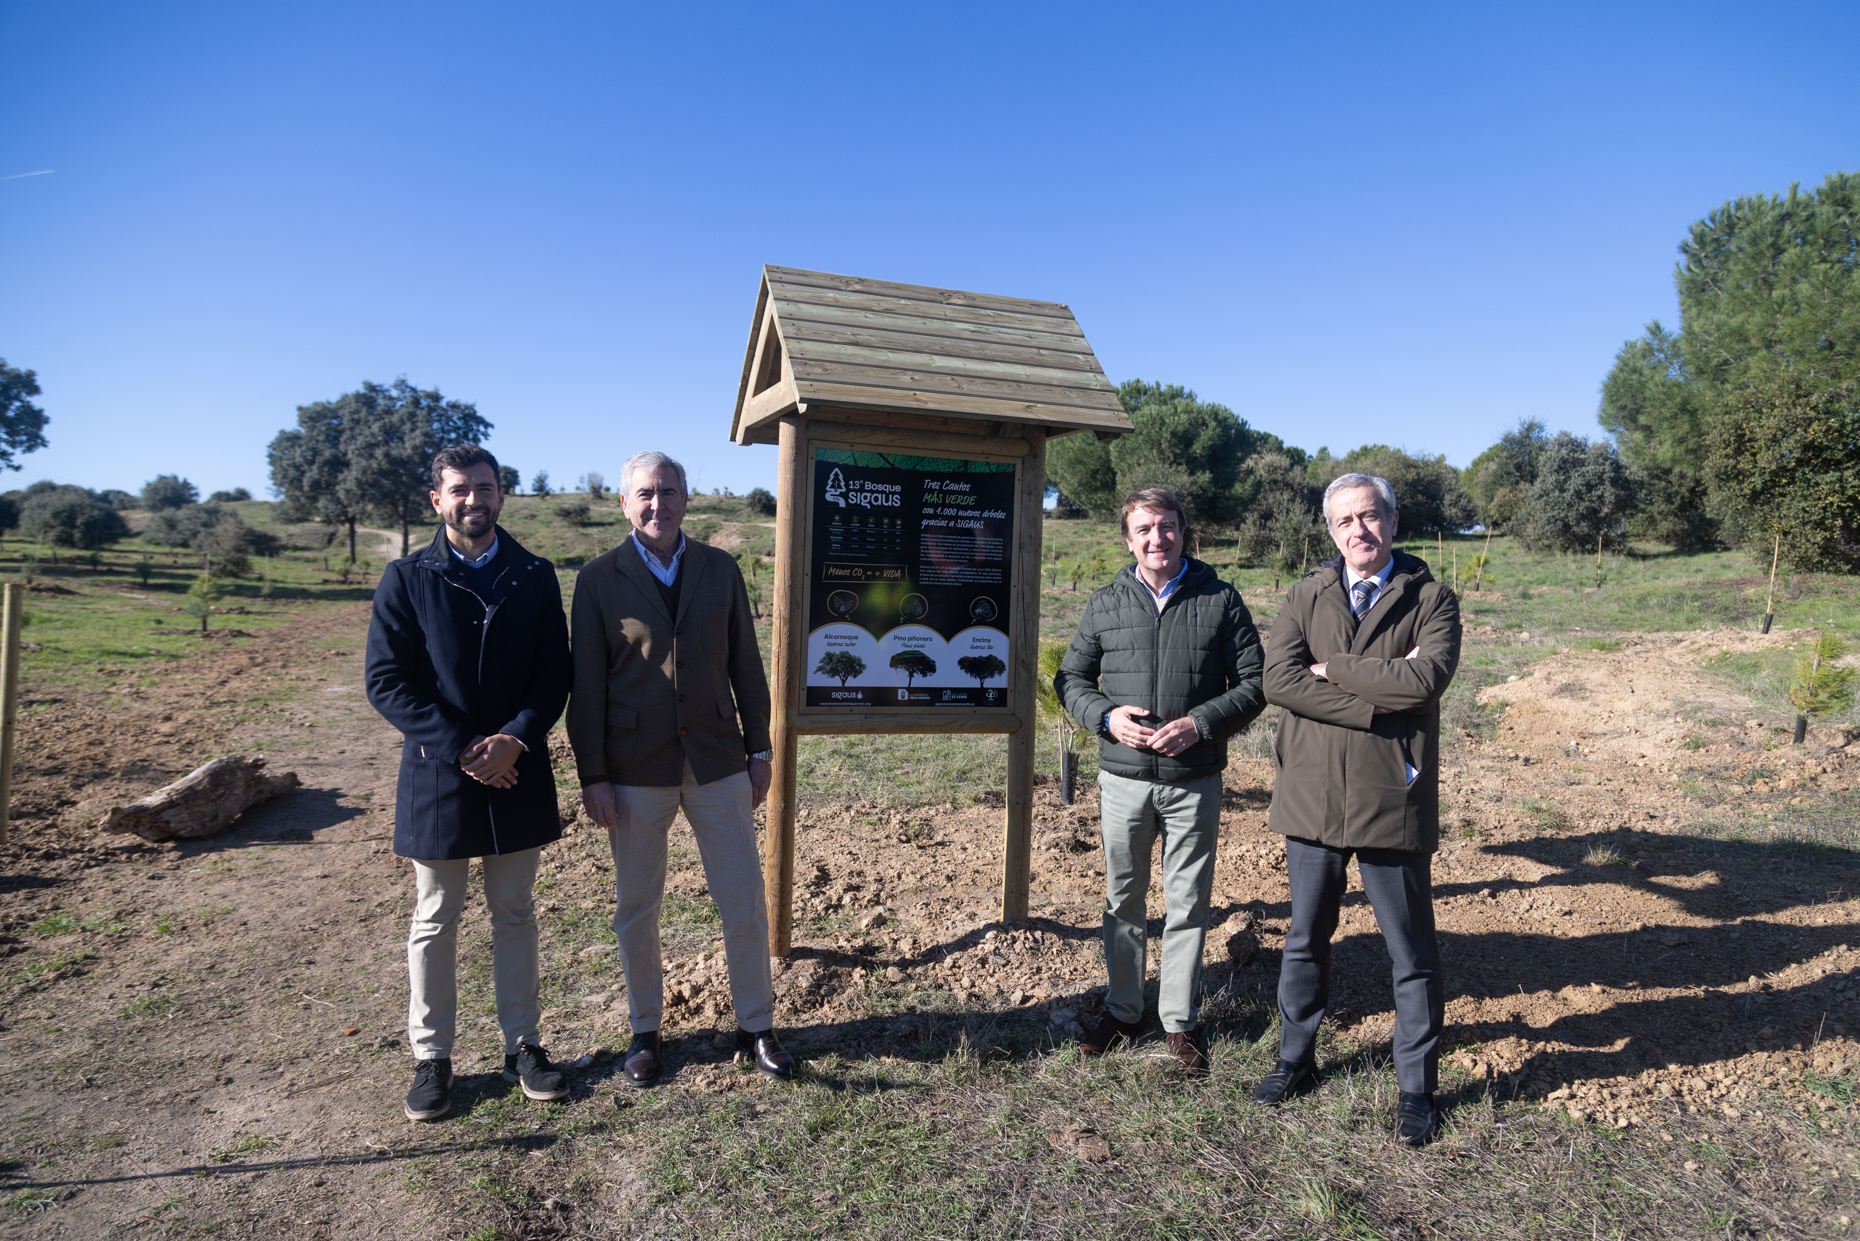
1199 656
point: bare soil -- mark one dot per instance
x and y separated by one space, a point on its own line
212 1033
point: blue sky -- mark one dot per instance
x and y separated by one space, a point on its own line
1353 223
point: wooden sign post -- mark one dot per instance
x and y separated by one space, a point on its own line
912 426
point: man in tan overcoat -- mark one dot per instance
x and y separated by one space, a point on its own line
1358 659
670 711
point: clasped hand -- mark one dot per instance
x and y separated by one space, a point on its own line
1170 739
1317 670
604 808
492 760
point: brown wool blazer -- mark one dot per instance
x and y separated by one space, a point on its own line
653 691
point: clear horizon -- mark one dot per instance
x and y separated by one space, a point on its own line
1358 225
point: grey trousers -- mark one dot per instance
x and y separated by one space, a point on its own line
1188 818
1399 886
433 957
722 817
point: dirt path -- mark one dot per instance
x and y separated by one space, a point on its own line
197 1066
205 1036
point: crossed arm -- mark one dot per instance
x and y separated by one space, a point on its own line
1351 690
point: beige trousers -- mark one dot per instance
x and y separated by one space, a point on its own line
432 950
722 817
1186 817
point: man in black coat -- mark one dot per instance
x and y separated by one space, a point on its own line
468 657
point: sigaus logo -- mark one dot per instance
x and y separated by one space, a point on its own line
836 488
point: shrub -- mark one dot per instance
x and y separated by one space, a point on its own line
760 501
229 497
1821 687
168 491
216 532
69 517
201 597
540 484
509 480
574 512
1583 493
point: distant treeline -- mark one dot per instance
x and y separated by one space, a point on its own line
1737 430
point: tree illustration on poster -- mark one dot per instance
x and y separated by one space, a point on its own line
983 668
841 665
913 664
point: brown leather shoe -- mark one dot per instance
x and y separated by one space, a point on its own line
770 1059
1108 1030
1191 1049
642 1059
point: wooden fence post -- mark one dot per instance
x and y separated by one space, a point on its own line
9 697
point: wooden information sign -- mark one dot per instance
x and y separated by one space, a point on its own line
912 424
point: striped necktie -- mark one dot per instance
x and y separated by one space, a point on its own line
1359 597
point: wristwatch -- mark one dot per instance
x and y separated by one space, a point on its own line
767 756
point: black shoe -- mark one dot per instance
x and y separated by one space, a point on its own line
540 1079
766 1050
1415 1120
1285 1080
642 1059
431 1096
1105 1034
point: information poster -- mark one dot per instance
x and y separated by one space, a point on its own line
909 592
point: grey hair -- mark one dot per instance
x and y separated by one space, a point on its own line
650 460
1385 494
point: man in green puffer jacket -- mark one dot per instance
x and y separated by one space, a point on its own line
1165 667
1361 653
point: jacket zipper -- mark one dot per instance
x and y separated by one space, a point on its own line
1156 661
484 637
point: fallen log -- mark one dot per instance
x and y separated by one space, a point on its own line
203 802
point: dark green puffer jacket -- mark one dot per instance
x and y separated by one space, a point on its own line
1199 656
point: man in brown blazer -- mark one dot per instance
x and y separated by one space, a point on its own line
666 665
1359 656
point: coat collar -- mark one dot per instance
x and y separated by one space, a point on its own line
1406 573
512 562
690 571
1195 573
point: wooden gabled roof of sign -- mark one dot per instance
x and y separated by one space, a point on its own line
824 341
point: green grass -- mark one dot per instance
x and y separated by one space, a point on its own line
39 969
248 1145
1841 1089
1548 817
1604 854
69 923
101 623
148 1005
